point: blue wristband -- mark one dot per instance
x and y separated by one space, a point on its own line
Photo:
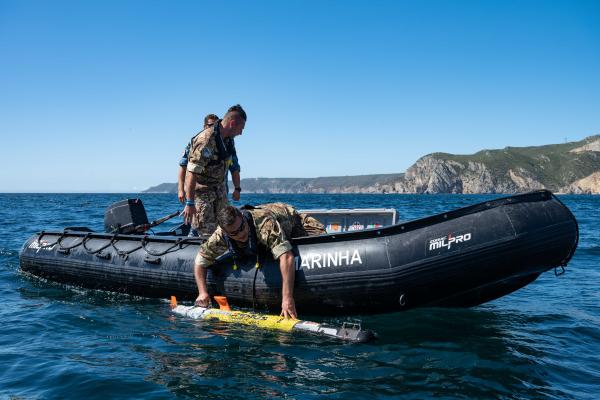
190 203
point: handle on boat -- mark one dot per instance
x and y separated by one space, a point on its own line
131 228
152 260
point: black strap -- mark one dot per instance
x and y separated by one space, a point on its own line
223 151
254 289
251 249
231 147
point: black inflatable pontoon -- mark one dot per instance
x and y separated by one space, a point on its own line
460 258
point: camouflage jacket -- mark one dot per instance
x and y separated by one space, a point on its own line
274 224
209 158
229 143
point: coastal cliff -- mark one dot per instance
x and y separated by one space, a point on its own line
563 168
572 167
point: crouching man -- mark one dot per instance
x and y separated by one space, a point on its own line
241 231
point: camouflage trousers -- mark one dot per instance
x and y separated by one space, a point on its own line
301 224
305 225
209 201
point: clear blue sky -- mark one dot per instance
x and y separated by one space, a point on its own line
100 96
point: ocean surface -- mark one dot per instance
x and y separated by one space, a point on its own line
58 342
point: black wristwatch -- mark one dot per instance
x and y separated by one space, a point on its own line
239 189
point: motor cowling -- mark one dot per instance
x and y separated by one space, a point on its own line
129 212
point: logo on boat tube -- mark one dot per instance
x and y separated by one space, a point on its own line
42 245
448 241
344 258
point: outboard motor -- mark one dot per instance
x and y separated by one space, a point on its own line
124 214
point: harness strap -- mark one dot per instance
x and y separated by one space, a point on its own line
223 152
251 250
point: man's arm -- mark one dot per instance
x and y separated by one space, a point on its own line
180 184
235 177
207 254
181 174
235 168
203 298
288 274
189 210
271 234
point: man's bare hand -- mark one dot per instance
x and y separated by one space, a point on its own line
288 308
181 195
188 214
235 195
203 300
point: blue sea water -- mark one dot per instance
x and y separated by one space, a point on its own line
59 342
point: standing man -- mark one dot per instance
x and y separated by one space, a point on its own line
211 153
234 168
242 231
209 121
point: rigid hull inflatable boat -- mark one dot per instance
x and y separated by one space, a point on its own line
460 258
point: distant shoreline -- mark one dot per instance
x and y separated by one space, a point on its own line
565 168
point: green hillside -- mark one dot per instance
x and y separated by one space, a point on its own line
553 165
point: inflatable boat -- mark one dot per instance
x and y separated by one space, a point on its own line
460 258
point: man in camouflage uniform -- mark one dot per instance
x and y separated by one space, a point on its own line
270 225
234 167
209 159
209 121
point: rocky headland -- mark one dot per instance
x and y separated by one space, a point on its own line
572 167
